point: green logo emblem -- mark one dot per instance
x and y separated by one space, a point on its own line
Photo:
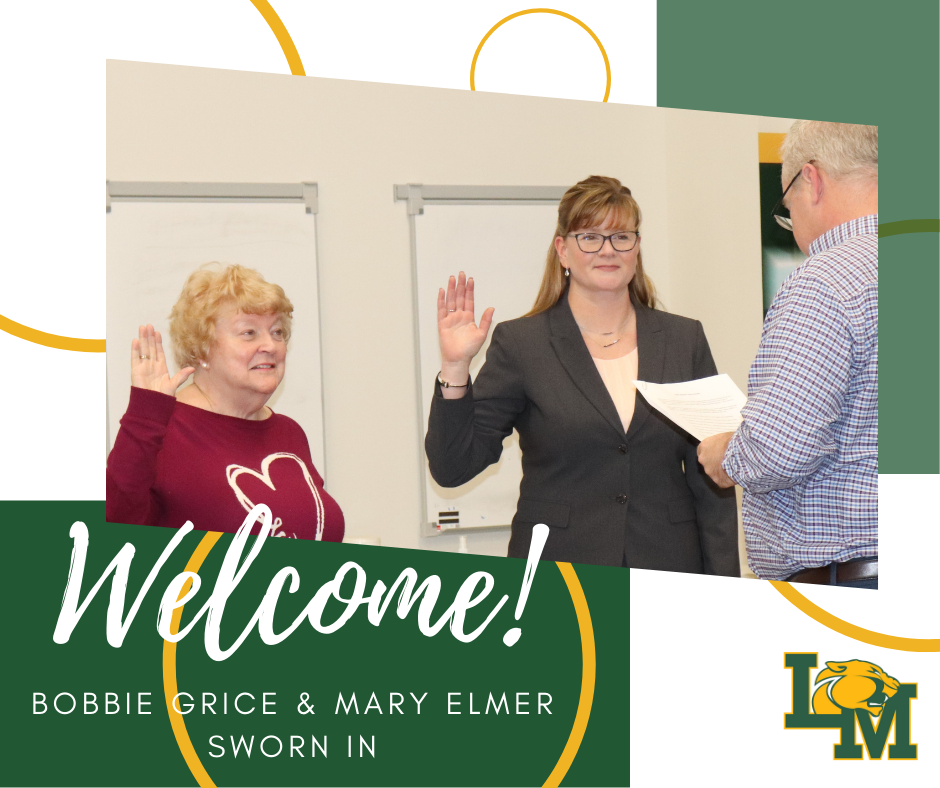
850 696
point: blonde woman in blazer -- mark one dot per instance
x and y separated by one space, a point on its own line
617 482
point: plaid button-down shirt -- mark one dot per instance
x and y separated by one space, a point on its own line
806 452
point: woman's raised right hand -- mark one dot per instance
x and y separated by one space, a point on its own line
461 338
148 364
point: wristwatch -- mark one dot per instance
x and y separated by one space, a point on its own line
446 385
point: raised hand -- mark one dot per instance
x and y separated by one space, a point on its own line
461 338
148 364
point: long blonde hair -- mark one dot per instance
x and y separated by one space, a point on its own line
589 203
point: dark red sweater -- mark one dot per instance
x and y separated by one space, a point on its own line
172 463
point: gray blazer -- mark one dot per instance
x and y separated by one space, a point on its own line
638 499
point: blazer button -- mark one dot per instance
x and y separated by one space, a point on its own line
621 499
623 448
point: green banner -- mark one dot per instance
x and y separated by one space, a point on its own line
374 681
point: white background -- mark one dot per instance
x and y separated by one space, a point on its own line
708 686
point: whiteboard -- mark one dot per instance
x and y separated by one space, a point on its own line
152 247
503 247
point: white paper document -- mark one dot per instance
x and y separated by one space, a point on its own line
702 407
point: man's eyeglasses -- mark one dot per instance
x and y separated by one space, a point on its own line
594 242
784 221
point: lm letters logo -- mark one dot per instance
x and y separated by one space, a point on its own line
852 696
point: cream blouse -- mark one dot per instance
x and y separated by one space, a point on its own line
618 375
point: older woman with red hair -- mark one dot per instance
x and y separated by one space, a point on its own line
209 452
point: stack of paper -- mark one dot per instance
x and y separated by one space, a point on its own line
702 407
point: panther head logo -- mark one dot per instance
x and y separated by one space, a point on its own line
852 685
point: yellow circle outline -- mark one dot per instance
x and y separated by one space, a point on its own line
177 723
51 340
586 700
588 676
501 22
852 630
283 37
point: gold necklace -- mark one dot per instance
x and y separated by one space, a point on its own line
602 345
205 396
604 334
209 401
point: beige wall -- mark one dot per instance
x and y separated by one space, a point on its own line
694 174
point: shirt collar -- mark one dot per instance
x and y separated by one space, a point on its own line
863 225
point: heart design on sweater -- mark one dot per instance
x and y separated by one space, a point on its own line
232 472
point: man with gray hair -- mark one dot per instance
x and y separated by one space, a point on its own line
806 453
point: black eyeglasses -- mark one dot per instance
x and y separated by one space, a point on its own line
784 221
594 242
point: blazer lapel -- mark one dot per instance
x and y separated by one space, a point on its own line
576 359
651 347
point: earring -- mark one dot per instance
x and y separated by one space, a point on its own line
567 273
205 365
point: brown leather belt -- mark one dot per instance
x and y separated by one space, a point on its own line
847 571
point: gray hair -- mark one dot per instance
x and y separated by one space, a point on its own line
843 150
